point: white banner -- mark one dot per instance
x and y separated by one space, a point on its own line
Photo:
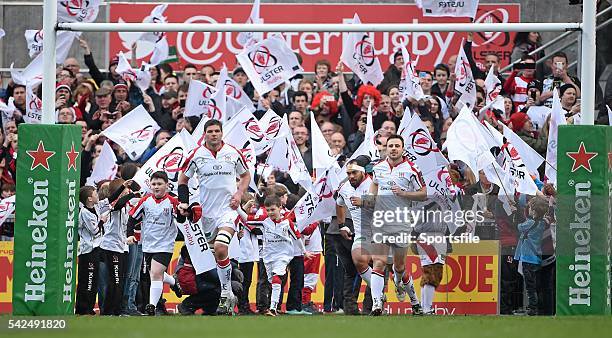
77 10
105 167
464 83
269 63
410 84
270 123
197 245
33 71
359 54
420 146
319 204
197 98
454 8
7 110
493 87
286 157
234 91
247 38
170 158
34 41
323 158
33 106
530 157
557 118
7 209
133 132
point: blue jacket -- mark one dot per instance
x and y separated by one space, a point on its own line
529 247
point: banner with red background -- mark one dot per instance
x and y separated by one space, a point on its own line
201 48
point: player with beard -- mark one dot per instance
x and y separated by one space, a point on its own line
217 165
396 183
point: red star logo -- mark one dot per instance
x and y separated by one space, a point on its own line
581 158
40 156
72 157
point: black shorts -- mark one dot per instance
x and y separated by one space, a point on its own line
160 257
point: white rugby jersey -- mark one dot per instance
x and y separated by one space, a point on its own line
217 173
345 193
405 175
115 230
278 238
158 230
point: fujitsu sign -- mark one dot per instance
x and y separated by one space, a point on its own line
215 48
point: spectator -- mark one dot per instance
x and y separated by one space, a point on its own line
93 69
190 71
323 75
522 126
558 78
296 119
518 81
524 44
393 74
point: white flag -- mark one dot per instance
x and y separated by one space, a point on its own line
161 52
359 54
105 168
368 146
245 38
232 108
141 77
457 8
133 132
7 209
33 72
420 146
170 158
270 123
323 158
124 69
609 115
238 134
464 83
234 90
465 143
2 33
33 106
410 84
286 157
216 106
318 204
196 242
197 98
557 118
34 41
532 159
269 63
7 110
493 100
161 49
77 10
511 161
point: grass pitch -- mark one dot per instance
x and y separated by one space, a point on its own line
333 326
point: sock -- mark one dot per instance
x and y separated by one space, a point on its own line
411 293
427 295
377 284
276 290
169 279
155 291
397 276
306 293
366 275
224 270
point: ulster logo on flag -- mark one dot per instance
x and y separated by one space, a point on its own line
262 59
364 52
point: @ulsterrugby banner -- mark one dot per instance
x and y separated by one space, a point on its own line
269 63
216 48
133 132
456 8
46 224
583 220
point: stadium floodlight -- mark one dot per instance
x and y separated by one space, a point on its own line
50 26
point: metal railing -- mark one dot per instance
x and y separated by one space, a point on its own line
557 40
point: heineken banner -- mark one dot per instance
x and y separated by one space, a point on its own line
583 220
44 273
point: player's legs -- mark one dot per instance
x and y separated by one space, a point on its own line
432 276
224 268
311 277
377 281
403 282
361 258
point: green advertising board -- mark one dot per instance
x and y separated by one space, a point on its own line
46 225
583 220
